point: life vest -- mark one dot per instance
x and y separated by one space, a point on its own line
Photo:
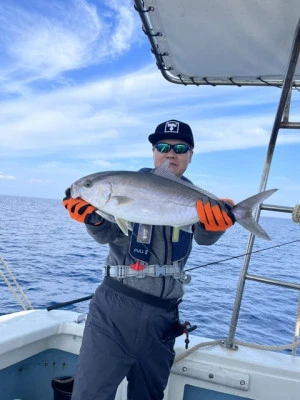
142 249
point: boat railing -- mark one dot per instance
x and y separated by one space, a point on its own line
281 122
175 64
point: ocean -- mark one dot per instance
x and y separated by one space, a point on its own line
54 260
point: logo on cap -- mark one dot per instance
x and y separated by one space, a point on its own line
172 126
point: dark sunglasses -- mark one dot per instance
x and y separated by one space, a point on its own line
179 148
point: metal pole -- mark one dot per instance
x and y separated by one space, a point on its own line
285 93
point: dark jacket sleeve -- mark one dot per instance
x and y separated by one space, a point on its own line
204 237
104 233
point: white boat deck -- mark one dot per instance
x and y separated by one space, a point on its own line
207 373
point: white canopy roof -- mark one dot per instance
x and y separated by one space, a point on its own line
245 42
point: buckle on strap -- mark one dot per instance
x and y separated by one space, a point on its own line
160 270
124 271
117 271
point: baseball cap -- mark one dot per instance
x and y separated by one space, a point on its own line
172 129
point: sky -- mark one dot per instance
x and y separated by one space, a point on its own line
80 92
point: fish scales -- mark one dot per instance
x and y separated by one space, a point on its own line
145 198
157 198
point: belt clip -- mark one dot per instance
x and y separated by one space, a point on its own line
177 273
179 330
160 270
106 270
187 330
119 271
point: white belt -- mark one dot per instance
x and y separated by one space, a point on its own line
124 271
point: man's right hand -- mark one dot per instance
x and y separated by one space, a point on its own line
80 210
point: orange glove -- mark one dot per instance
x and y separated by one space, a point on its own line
80 210
215 215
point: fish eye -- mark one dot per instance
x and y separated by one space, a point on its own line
88 184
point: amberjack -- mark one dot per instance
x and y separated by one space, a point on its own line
156 198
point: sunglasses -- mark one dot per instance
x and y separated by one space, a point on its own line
178 148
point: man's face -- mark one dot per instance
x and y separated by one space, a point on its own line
178 162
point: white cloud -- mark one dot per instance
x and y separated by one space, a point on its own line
55 37
38 181
61 118
125 27
105 115
7 177
103 164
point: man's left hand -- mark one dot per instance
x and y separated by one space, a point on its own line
215 215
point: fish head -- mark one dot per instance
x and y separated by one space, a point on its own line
95 189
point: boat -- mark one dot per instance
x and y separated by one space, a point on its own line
39 347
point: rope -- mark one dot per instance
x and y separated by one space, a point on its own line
296 213
196 347
266 347
238 342
12 289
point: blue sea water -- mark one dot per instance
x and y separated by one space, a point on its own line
54 260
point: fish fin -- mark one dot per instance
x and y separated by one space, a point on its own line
186 228
123 225
106 216
243 213
121 200
252 226
165 171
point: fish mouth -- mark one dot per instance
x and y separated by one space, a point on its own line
75 192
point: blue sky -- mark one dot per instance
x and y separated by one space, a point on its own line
80 93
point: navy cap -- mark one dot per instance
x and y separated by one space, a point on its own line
172 129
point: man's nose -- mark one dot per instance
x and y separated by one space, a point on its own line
171 153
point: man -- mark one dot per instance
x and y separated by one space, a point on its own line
133 321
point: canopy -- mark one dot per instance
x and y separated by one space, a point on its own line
225 42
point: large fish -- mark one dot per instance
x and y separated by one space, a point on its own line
157 198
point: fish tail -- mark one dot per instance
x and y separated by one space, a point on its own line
243 213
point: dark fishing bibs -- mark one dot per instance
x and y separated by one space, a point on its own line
141 243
